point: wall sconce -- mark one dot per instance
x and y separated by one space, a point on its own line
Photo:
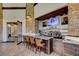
28 17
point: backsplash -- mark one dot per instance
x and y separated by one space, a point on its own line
55 34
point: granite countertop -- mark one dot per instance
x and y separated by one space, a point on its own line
38 36
72 36
42 37
71 42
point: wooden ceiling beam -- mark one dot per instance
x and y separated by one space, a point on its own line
13 7
35 4
60 11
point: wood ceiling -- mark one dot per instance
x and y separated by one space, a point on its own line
60 11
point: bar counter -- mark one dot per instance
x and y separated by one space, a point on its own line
38 36
48 41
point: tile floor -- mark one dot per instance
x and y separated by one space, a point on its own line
12 49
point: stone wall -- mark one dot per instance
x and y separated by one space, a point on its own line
1 22
30 21
73 15
1 16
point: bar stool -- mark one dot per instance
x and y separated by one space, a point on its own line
32 42
24 37
27 40
39 44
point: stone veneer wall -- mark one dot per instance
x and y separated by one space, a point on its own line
73 15
1 22
30 22
36 26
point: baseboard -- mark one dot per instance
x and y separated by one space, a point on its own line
7 42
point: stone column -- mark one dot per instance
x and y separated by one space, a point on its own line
73 15
36 26
30 21
1 22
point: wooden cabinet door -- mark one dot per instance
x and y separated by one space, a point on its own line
58 46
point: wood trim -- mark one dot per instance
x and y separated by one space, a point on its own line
12 23
13 7
1 24
7 42
1 21
60 11
35 4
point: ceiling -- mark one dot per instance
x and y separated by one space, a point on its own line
14 4
45 8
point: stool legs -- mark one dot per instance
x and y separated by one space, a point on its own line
38 50
32 47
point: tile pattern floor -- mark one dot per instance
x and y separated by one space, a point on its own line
12 49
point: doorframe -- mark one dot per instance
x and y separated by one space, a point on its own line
7 29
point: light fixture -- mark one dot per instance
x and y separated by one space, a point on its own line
28 17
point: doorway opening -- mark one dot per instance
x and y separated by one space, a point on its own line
14 32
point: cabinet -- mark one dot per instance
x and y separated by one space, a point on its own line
58 46
71 46
71 49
